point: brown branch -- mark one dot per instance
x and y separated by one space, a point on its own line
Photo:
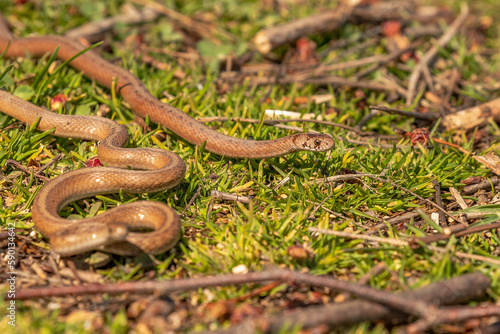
328 80
50 163
451 315
230 197
418 115
270 38
378 59
431 54
25 170
461 233
378 178
368 293
94 29
202 29
371 144
416 195
482 185
448 292
392 221
193 198
439 201
399 242
452 83
383 11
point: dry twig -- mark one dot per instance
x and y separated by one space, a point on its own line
448 292
429 56
94 29
398 242
270 38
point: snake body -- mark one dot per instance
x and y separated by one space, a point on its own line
121 230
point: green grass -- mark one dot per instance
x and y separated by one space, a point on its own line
220 235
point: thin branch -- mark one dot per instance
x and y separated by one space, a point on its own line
24 169
418 115
392 221
50 163
370 144
429 56
453 315
488 183
270 38
274 122
439 201
230 197
461 233
448 292
398 242
96 28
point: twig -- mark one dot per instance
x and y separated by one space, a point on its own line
327 80
461 202
383 11
452 315
165 287
416 195
378 59
463 232
454 77
429 56
131 16
370 144
318 71
281 183
336 214
439 201
378 178
50 163
178 74
416 307
374 271
493 181
291 120
25 170
365 237
392 221
230 197
490 160
428 78
256 292
403 243
268 39
345 177
311 215
418 115
205 30
191 201
447 292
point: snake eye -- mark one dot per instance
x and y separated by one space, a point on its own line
317 142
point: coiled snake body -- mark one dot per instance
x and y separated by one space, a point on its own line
155 169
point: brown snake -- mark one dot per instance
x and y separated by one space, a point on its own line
116 231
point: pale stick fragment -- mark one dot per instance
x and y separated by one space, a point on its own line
470 118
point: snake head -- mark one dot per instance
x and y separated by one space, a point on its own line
316 142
